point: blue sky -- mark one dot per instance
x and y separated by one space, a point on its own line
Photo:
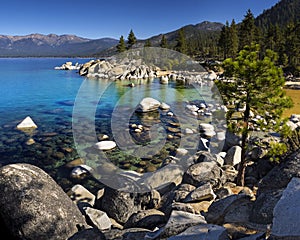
112 18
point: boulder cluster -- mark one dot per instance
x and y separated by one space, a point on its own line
110 69
203 204
68 66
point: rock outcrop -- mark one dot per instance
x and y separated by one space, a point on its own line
286 219
33 206
69 66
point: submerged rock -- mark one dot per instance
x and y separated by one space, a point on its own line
105 145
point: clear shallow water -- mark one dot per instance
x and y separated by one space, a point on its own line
31 87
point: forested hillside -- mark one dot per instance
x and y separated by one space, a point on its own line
277 29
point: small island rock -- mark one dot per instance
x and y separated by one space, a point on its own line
26 123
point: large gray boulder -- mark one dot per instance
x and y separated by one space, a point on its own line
203 172
33 206
271 187
148 104
231 209
204 192
286 220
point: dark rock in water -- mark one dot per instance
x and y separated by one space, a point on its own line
66 103
33 206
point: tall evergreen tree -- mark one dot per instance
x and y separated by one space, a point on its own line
163 42
233 40
258 85
121 47
247 31
147 43
131 40
292 46
181 45
224 40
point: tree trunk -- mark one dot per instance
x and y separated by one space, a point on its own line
243 165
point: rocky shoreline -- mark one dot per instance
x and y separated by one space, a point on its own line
204 203
201 202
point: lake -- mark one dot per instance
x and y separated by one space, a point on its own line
31 87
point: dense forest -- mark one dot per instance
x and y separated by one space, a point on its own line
277 29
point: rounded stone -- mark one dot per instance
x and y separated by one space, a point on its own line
151 168
33 206
105 145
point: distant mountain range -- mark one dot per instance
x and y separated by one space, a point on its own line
52 45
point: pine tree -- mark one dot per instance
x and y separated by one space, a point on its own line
163 42
131 40
247 31
147 43
224 40
181 45
257 84
121 47
233 40
292 46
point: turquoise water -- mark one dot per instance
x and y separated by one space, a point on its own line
31 87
